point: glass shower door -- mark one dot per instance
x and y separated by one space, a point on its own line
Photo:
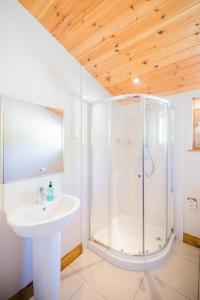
155 175
126 204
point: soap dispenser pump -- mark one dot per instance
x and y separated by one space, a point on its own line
50 192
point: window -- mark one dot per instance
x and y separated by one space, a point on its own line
196 122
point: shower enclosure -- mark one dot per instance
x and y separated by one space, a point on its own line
131 182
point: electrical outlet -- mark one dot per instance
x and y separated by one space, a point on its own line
192 203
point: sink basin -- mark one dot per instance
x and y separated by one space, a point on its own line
37 220
44 224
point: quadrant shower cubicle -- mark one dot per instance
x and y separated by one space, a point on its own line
131 184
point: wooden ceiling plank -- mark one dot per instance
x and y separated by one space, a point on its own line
125 77
59 12
188 47
76 19
154 81
144 58
181 81
180 89
162 90
167 36
119 34
95 22
55 11
142 28
176 87
181 66
114 90
112 22
165 82
37 8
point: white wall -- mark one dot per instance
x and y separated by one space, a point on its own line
34 67
187 166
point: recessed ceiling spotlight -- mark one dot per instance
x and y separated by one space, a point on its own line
136 80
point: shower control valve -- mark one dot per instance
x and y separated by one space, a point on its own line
192 203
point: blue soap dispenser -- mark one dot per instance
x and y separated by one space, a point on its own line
50 192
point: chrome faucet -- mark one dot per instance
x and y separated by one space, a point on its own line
42 197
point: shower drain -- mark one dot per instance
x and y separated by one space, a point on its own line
158 239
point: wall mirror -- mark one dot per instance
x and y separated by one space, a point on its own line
32 139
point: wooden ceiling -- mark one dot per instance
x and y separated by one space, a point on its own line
157 41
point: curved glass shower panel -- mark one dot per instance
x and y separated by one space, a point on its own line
126 181
99 173
131 182
155 174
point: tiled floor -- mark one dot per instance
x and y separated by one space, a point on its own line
90 277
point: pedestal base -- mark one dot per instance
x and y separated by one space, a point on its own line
46 267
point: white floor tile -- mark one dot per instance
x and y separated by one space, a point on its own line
153 289
180 274
115 283
86 292
90 277
86 263
186 251
70 283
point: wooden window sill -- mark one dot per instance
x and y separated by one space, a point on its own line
193 150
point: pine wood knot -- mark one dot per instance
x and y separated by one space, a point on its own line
108 78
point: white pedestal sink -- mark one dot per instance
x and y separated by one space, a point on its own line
44 227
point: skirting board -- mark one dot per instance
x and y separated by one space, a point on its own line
27 292
69 257
191 240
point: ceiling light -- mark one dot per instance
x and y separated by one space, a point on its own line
136 80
